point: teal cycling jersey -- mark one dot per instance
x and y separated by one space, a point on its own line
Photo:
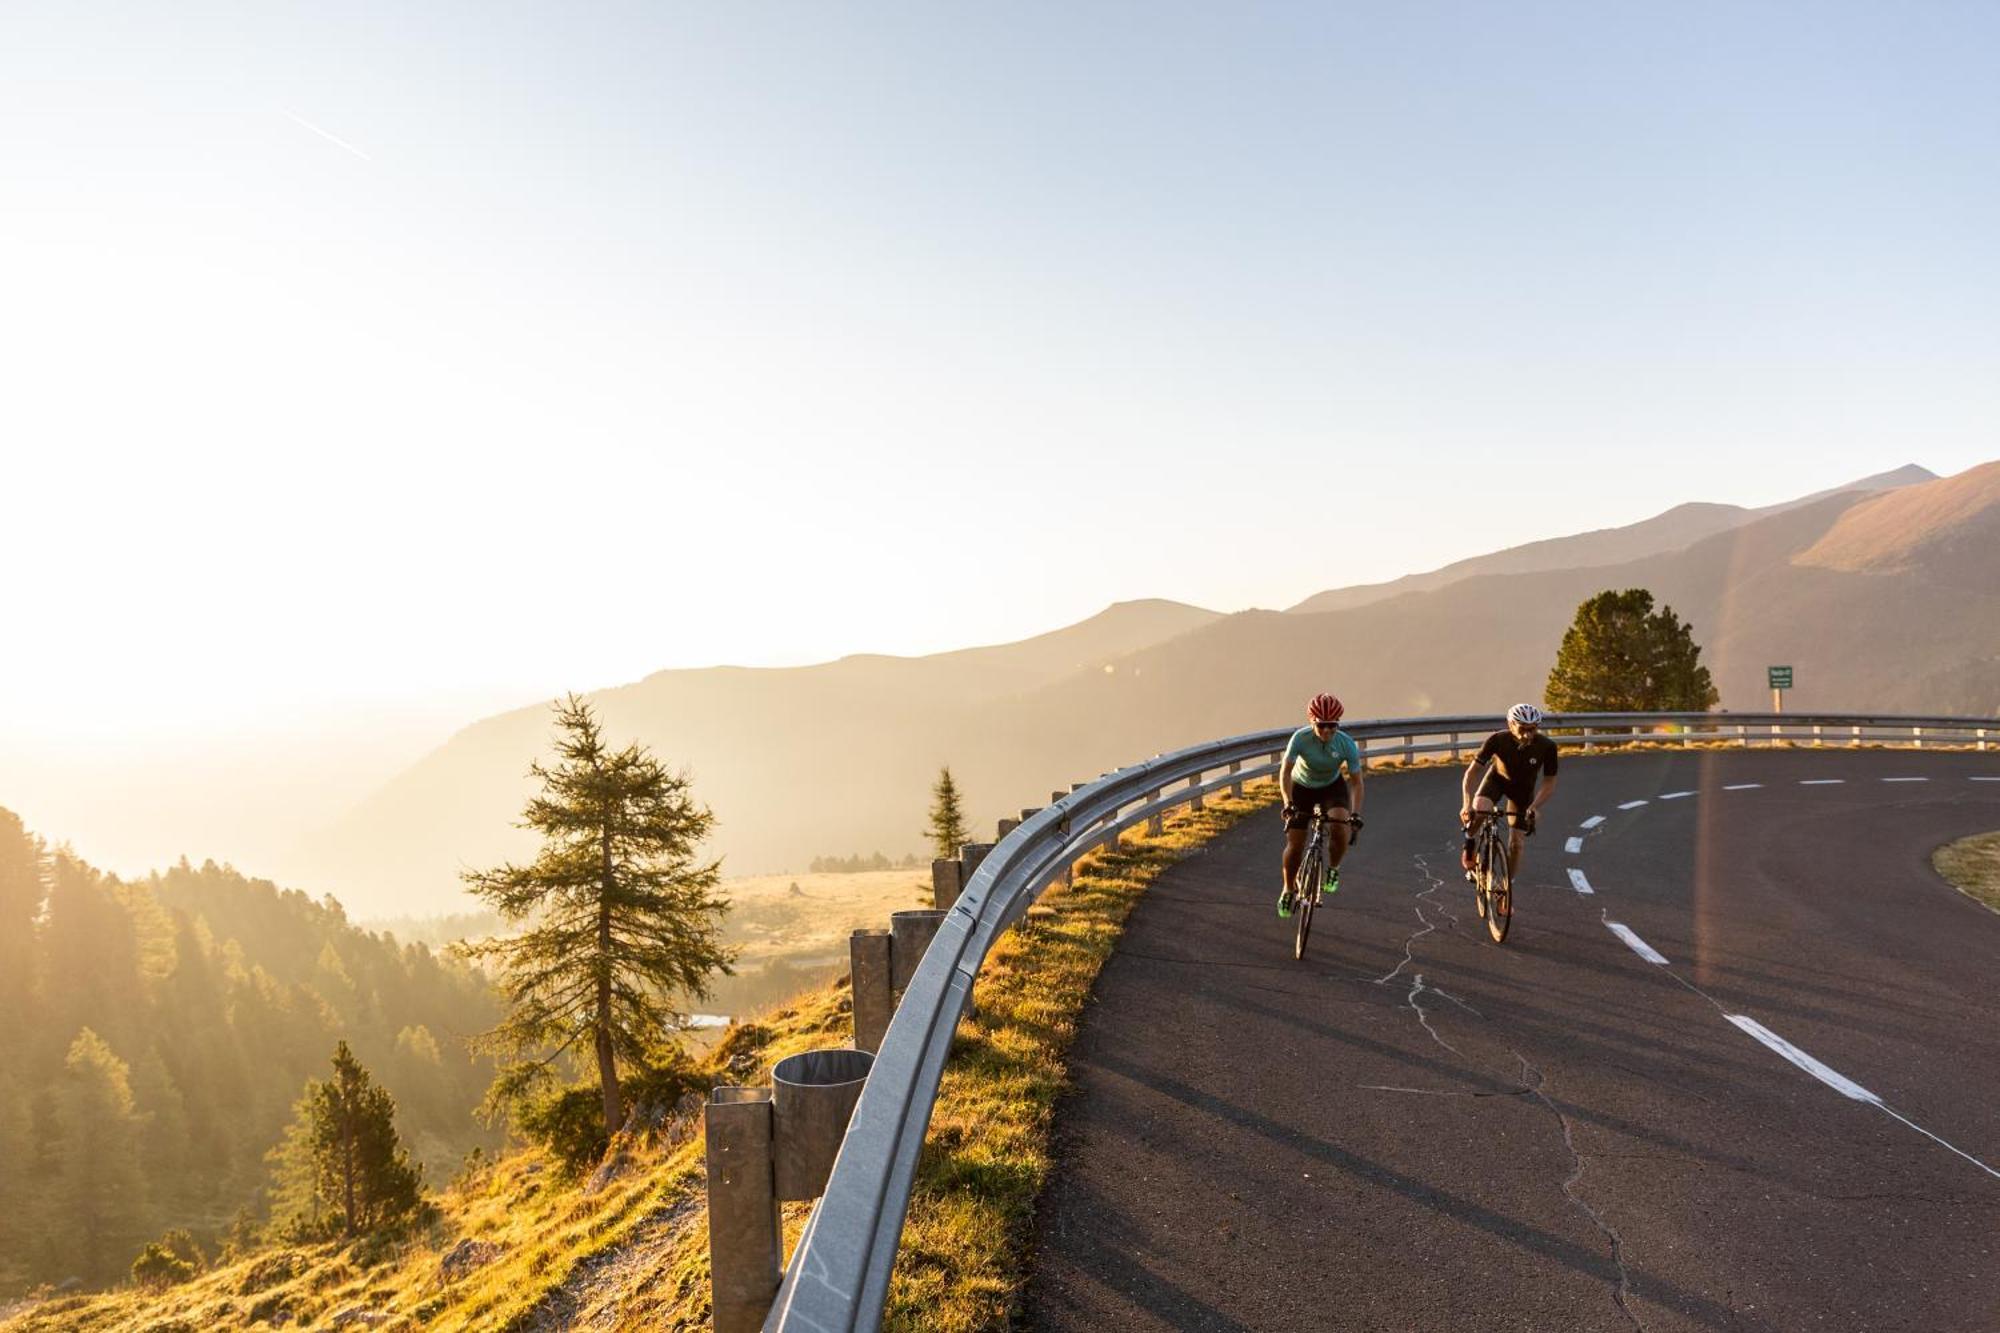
1318 763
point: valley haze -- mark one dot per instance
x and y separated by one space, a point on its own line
850 746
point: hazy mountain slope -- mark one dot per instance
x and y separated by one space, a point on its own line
838 758
772 751
1915 640
1674 530
1948 530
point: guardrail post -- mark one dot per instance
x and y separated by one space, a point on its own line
1855 744
745 1238
946 883
1981 732
1007 826
910 935
1817 742
1742 739
871 993
1194 785
1156 823
1917 737
1454 747
812 1098
1236 788
1409 749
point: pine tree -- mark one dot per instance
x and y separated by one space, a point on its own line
948 831
343 1141
1619 656
622 916
97 1209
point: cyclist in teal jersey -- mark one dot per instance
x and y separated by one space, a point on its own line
1314 774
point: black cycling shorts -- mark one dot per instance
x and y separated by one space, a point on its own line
1305 800
1518 798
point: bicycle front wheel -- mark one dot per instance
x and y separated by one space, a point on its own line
1310 875
1499 894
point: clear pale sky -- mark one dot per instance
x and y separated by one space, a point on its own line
443 357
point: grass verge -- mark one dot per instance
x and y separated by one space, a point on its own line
966 1243
1973 865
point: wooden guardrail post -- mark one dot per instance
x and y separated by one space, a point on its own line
767 1146
1156 823
745 1237
1194 785
1236 788
871 990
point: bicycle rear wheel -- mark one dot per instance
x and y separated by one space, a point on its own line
1499 884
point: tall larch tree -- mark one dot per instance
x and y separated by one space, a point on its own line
621 917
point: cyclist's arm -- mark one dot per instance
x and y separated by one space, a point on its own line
1285 770
1548 789
1475 772
1354 793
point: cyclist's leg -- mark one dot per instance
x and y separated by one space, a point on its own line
1482 809
1517 838
1295 843
1338 807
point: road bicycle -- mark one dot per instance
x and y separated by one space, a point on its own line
1492 875
1317 874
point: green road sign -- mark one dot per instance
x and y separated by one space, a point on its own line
1781 677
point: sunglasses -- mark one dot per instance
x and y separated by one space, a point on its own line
1324 726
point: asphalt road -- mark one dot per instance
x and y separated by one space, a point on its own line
1415 1128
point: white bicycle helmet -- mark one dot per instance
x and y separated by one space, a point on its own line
1526 714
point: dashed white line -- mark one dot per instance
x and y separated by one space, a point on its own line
1637 945
1595 820
1573 846
1743 786
1986 779
1578 882
1821 782
1676 795
1631 805
1906 779
1839 1082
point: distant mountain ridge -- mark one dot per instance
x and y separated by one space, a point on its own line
1674 530
841 755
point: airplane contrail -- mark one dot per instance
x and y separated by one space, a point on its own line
330 138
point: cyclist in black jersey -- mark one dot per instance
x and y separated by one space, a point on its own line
1520 764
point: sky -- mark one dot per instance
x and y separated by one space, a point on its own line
366 368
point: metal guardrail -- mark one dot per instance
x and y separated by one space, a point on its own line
838 1278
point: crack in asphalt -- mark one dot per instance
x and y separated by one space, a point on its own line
1410 944
1621 1295
1532 1082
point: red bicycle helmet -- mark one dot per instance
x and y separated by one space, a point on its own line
1325 708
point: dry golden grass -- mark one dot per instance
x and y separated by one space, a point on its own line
767 920
1973 864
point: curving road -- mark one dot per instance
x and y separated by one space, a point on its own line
1787 1117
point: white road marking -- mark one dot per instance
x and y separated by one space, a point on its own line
1595 820
1676 795
1631 805
1578 882
1743 786
1821 782
1839 1082
1906 779
1986 779
1635 944
1573 846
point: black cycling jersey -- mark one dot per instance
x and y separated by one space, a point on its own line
1519 764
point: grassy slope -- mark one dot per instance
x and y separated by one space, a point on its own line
1973 864
632 1252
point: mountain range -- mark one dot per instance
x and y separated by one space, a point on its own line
1881 595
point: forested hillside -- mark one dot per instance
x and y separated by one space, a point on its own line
155 1033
